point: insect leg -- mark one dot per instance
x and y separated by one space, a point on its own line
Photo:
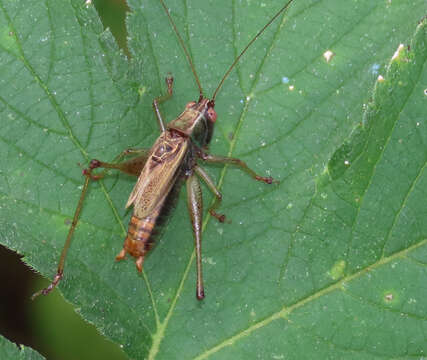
60 270
160 99
195 208
218 197
130 167
235 162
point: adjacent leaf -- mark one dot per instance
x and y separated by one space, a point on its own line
9 351
329 263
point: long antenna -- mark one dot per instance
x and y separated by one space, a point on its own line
284 8
193 69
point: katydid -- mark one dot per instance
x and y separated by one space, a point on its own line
162 169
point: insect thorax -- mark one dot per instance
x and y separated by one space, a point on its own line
194 122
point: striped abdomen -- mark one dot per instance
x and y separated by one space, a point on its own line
139 239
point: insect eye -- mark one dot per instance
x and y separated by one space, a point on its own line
212 114
190 105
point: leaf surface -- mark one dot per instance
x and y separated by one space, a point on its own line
9 351
330 263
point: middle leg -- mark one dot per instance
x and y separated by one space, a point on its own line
235 162
132 167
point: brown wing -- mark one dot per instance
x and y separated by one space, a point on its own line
159 174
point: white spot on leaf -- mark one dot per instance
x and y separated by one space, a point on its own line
328 55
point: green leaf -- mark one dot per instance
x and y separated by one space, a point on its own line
330 263
9 351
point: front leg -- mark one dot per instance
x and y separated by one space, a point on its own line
195 208
158 100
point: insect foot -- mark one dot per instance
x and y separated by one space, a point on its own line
93 165
51 286
267 179
220 217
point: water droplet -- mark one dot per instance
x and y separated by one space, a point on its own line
374 68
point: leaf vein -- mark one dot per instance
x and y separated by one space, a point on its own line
286 311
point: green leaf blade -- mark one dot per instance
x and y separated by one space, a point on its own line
304 264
